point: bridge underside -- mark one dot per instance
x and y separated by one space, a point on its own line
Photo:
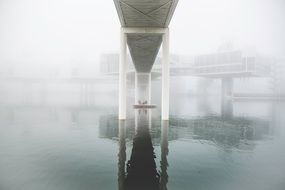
144 14
144 28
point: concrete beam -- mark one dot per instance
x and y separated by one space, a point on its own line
165 78
123 77
144 30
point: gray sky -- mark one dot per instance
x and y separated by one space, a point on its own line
74 31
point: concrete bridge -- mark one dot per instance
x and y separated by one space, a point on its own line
144 29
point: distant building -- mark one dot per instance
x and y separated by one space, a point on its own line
278 78
252 72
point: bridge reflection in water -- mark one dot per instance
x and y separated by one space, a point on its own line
236 132
144 134
140 171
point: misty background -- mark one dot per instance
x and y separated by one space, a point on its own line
79 31
59 124
71 38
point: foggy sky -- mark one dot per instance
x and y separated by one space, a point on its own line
75 31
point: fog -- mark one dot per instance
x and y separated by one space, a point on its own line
200 26
59 127
78 32
59 31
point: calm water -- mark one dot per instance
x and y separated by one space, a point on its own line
206 145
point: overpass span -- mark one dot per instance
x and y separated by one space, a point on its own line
144 28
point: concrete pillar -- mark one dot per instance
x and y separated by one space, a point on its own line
149 88
226 99
227 87
136 88
165 77
122 76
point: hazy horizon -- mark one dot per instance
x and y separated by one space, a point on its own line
79 31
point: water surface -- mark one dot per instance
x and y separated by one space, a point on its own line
206 145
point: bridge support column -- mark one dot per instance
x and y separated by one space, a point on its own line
149 88
165 77
136 88
165 69
226 99
122 76
227 88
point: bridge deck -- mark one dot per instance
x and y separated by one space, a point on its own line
145 13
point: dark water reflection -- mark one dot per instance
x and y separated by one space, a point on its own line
141 167
141 171
233 137
207 145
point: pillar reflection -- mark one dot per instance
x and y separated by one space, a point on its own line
122 154
227 108
141 168
140 171
164 154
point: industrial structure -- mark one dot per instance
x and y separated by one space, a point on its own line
225 65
